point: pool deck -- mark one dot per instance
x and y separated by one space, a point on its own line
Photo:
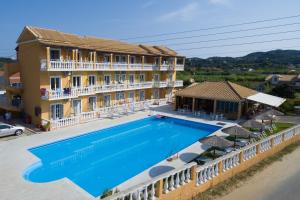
15 159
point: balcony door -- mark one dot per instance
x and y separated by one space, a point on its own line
120 97
107 100
131 97
76 81
156 94
54 54
55 83
107 80
142 78
76 106
142 95
92 80
57 111
92 103
156 77
131 79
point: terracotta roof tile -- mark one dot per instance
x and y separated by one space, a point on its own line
222 90
53 37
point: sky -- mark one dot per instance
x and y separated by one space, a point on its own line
141 21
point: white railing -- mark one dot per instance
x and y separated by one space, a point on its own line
265 145
288 134
179 67
103 112
70 65
249 152
176 178
177 83
207 172
277 139
89 90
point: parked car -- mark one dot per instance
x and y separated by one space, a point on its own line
6 129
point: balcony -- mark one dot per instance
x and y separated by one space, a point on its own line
69 65
103 112
177 83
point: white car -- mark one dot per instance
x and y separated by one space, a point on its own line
6 129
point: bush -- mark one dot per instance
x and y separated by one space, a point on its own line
287 106
284 91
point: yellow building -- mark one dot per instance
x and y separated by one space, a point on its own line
67 79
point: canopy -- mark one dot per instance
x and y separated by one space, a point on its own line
253 124
267 99
216 142
237 131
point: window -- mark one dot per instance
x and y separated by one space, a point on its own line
120 77
120 59
156 94
120 96
107 80
132 59
131 96
76 106
131 78
76 81
4 126
107 100
79 56
142 77
57 111
55 83
156 77
55 54
92 103
157 61
92 80
106 58
142 95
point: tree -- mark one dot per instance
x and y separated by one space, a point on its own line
284 91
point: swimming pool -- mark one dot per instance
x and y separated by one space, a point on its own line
103 159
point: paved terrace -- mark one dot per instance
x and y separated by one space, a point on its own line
15 159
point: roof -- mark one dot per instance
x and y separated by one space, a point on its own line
283 78
15 78
221 90
267 99
57 38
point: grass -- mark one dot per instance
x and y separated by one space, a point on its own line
280 127
239 179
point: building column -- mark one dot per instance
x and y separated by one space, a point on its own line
175 62
128 61
193 105
159 60
111 60
239 114
143 60
215 106
48 57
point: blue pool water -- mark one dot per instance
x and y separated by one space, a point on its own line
103 159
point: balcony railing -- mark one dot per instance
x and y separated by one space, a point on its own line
70 65
103 112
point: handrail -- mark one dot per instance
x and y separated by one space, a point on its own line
199 168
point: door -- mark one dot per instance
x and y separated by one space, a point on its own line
142 95
107 101
142 78
107 80
76 107
92 80
131 97
131 79
57 111
156 77
76 81
92 103
55 83
156 94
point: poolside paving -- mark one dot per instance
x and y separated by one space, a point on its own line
15 158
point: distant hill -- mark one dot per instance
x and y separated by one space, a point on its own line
5 60
275 58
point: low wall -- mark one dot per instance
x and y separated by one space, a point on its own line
190 180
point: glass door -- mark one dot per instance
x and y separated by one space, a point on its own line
57 111
76 107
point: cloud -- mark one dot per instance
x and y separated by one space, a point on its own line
186 13
148 4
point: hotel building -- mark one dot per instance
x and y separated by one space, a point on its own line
67 79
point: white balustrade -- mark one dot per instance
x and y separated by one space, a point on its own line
176 180
288 134
179 67
265 145
206 173
297 130
277 139
230 162
249 152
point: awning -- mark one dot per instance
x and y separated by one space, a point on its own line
267 99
